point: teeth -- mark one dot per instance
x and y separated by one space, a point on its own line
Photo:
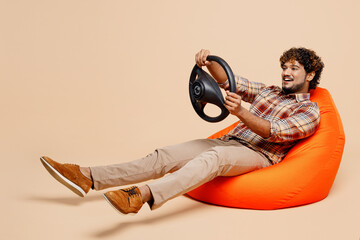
287 78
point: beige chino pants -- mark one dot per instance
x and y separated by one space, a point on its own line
190 165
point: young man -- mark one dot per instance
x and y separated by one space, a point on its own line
276 120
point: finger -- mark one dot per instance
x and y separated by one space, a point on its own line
229 108
233 95
205 53
231 104
233 99
197 59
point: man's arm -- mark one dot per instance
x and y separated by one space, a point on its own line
256 124
214 68
301 125
248 90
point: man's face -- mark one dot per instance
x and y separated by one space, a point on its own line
294 78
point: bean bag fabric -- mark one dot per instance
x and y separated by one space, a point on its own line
304 176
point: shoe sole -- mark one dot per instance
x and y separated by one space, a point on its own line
63 180
112 205
131 214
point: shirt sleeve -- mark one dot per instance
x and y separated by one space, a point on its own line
300 125
248 90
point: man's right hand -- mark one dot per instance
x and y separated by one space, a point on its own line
214 68
200 58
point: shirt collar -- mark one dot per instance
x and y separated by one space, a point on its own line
300 97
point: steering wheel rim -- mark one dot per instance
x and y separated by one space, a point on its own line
204 89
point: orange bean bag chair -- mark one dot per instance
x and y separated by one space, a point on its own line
304 176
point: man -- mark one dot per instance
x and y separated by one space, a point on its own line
276 120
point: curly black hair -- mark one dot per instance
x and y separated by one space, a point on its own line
308 59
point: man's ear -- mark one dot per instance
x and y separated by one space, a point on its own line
310 76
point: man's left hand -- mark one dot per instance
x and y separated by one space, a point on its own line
233 103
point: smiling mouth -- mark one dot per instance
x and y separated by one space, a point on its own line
288 79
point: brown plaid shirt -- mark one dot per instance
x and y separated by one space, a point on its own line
292 117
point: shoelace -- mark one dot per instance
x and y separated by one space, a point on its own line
131 191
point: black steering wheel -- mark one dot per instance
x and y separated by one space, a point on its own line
204 89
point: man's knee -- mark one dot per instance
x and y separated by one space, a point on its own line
211 158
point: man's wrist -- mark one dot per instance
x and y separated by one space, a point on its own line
222 85
241 112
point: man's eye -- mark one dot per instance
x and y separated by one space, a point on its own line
294 69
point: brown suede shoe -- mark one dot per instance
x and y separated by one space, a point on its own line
69 175
126 200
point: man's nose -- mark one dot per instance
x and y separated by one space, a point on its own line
287 72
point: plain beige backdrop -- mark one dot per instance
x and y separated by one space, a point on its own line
100 82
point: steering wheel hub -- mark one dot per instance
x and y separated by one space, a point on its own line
198 89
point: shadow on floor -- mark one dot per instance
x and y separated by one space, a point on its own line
70 201
120 227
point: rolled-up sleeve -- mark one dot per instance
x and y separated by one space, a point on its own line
248 90
303 123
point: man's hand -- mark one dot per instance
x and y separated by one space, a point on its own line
233 103
258 125
200 58
214 68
